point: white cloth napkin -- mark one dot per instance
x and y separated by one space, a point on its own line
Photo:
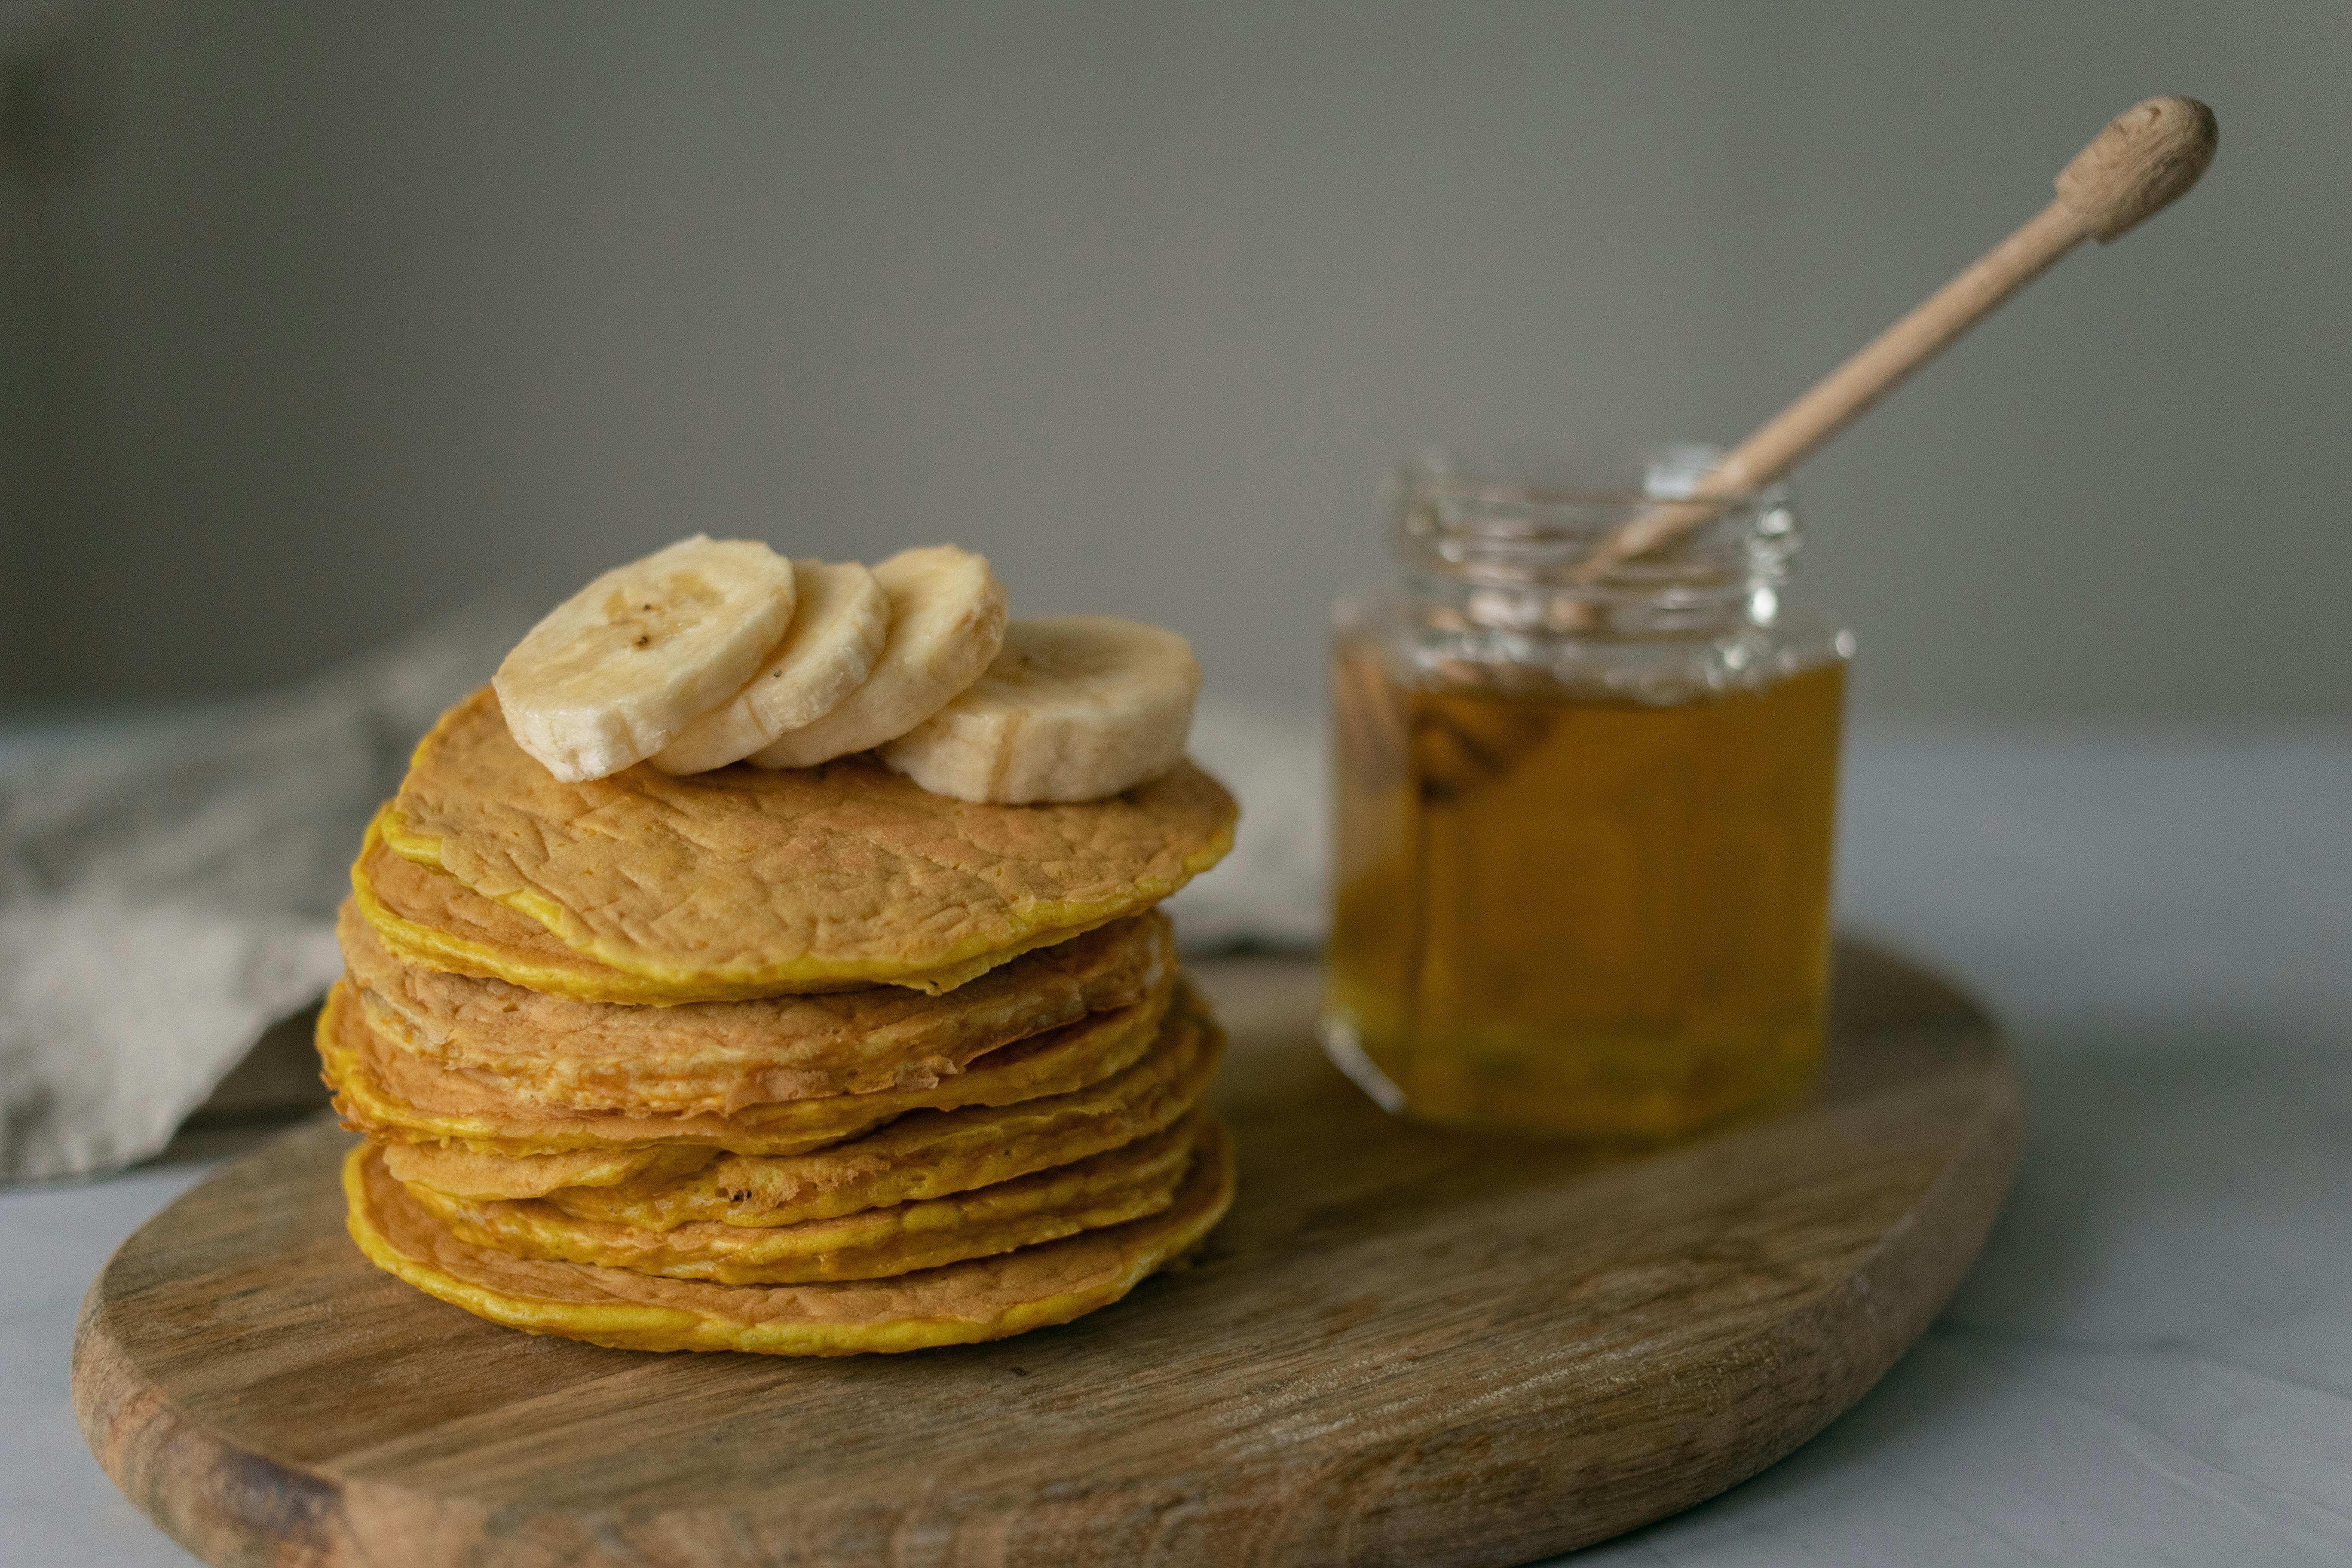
168 888
1269 893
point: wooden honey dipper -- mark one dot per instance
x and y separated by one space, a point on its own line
2144 159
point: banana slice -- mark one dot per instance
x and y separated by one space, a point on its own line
947 621
616 671
1076 708
836 634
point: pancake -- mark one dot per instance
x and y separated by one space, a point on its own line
961 1303
430 919
394 1097
460 1171
1119 1184
434 921
719 1056
921 1156
791 880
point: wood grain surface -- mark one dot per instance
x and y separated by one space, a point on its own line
1404 1347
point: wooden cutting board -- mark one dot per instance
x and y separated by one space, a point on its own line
1404 1347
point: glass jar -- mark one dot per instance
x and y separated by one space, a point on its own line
1582 880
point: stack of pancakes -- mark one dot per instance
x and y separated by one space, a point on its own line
807 1062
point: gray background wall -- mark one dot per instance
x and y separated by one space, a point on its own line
330 314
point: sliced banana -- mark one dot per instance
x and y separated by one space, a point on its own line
619 669
837 632
1076 708
947 621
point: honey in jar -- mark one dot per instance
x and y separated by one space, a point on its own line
1583 881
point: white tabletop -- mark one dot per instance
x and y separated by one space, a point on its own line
2153 1362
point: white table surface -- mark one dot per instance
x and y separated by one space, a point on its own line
2153 1362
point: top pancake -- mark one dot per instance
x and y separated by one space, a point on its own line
789 880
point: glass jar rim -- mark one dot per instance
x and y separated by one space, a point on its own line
1461 500
1486 488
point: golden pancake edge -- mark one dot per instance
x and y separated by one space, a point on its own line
923 1154
746 880
961 1303
382 1092
717 1058
1137 1178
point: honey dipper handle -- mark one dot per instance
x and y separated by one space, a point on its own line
2142 161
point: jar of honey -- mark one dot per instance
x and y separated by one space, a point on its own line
1583 880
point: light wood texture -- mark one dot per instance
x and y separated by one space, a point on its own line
1404 1347
2144 160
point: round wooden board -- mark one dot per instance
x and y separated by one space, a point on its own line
1404 1347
